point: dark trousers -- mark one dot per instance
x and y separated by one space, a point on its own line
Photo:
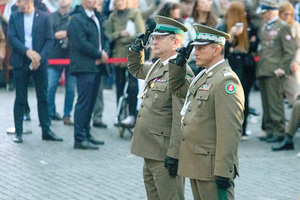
132 88
21 77
87 90
247 82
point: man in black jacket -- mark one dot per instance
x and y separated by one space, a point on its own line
89 48
30 37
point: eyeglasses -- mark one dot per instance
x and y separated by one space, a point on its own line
160 37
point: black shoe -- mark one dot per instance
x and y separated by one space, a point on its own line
99 125
94 141
264 138
286 144
85 145
51 136
252 111
275 138
27 117
18 138
56 116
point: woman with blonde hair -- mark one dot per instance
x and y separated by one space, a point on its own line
240 48
291 83
123 25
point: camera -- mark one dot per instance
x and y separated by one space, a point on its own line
64 43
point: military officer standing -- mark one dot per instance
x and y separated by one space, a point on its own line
212 116
276 52
157 132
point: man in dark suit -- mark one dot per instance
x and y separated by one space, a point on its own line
30 36
89 48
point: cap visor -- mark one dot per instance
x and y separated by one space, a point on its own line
160 33
261 11
200 43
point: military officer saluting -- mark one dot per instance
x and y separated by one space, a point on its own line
157 132
276 52
212 116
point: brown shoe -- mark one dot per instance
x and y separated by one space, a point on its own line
67 121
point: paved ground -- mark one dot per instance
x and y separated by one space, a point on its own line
54 170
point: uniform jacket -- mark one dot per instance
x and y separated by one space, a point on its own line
296 34
157 130
42 38
116 25
212 124
277 48
83 36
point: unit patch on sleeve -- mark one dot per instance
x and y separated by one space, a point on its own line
230 88
206 87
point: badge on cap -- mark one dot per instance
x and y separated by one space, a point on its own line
288 37
230 88
152 85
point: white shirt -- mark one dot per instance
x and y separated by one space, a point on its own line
91 14
28 22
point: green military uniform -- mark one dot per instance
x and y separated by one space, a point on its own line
211 125
277 51
294 122
157 130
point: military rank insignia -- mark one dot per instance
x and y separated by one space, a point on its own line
230 88
206 87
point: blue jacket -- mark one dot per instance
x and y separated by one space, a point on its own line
42 38
83 36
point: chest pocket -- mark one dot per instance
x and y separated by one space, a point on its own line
201 102
157 94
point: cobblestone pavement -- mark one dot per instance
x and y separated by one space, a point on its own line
43 170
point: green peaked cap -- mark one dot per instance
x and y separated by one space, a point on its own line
167 25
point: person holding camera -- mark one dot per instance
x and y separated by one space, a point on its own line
157 134
240 49
59 21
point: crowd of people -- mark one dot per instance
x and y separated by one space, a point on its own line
199 60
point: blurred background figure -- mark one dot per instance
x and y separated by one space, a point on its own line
148 7
124 24
99 104
59 21
201 14
240 49
220 7
170 9
291 82
186 7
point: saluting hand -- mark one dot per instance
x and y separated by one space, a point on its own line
184 54
141 41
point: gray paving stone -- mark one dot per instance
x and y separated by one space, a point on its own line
54 170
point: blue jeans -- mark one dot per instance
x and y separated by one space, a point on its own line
53 77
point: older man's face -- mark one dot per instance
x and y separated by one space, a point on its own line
88 4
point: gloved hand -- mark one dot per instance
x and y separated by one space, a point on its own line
223 182
184 54
141 41
172 165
